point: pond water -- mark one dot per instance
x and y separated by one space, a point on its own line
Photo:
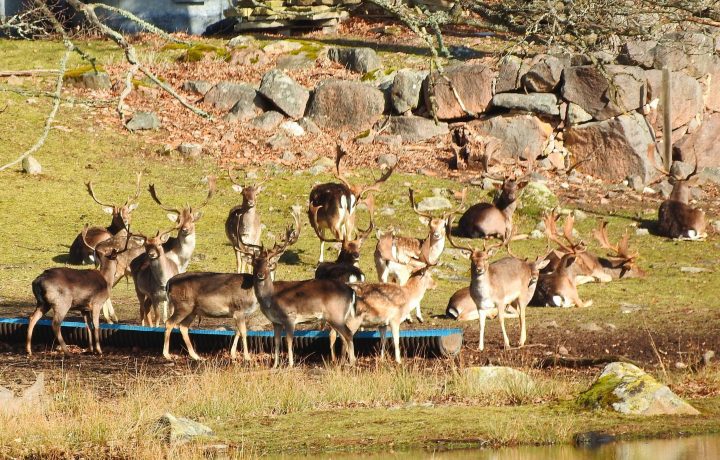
691 448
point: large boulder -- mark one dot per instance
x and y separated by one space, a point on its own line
339 104
704 143
589 88
405 90
544 74
686 95
521 136
414 129
361 60
249 104
543 103
180 429
638 53
627 389
225 95
613 149
690 52
286 94
143 120
473 84
496 377
510 74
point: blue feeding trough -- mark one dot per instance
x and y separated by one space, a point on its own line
420 342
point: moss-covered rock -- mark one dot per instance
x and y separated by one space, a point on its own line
627 389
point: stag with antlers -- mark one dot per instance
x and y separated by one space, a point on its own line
620 262
82 253
332 206
244 220
676 218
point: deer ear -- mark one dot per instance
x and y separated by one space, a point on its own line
108 210
173 217
237 188
542 264
165 237
197 215
492 252
522 185
424 220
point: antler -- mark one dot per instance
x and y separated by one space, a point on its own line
460 205
450 240
414 205
375 187
137 190
341 152
601 236
90 190
233 180
211 191
153 194
362 234
292 233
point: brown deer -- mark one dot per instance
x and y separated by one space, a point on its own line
396 257
485 220
244 220
676 218
336 203
494 287
63 289
346 267
82 253
213 295
558 288
151 274
620 263
385 304
288 303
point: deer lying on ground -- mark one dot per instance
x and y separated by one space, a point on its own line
508 282
620 263
676 218
151 274
336 203
288 303
244 220
346 267
396 257
63 289
213 295
485 220
81 252
558 288
385 304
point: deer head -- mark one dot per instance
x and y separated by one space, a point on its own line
264 261
120 213
437 225
185 217
620 255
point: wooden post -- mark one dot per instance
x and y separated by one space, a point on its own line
667 121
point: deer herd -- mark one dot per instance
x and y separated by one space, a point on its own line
339 295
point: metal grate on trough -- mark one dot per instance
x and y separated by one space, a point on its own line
419 342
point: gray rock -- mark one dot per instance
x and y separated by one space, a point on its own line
225 95
309 126
143 120
268 121
694 270
388 139
285 93
33 396
591 327
338 104
414 129
361 60
473 83
623 142
538 195
249 104
406 90
387 212
577 115
294 61
31 166
687 97
636 183
690 52
627 389
544 74
387 160
241 40
588 87
92 80
199 87
681 168
433 203
180 429
190 149
664 188
278 141
521 136
642 232
293 128
287 156
282 46
702 144
711 175
496 377
545 103
510 74
638 53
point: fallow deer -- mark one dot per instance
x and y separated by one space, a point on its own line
558 288
82 253
620 263
346 267
213 295
288 303
63 289
151 274
508 282
485 220
676 218
396 257
336 203
244 219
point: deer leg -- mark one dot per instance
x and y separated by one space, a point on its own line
347 337
277 338
87 321
34 318
289 332
58 333
166 344
395 329
383 338
332 337
481 317
96 327
184 325
240 330
165 310
108 312
322 251
501 317
418 315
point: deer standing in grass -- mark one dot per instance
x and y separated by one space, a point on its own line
63 289
508 282
397 257
81 251
332 206
288 303
244 220
676 218
485 220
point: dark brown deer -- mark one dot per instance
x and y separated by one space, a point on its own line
336 203
63 289
676 218
486 220
82 253
288 303
244 220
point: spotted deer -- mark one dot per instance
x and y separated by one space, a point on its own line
336 203
244 220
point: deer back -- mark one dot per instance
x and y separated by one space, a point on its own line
215 295
679 220
461 306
